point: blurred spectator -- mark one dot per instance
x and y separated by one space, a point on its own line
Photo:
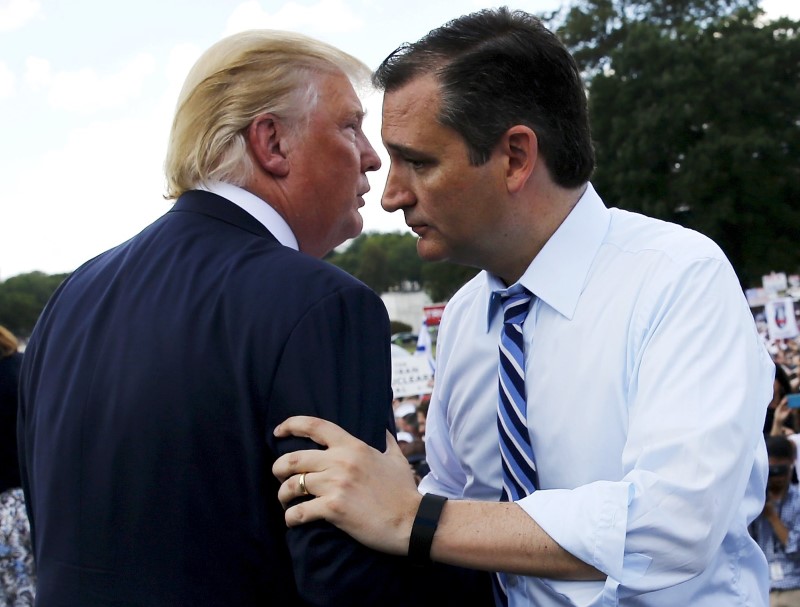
422 414
780 419
777 528
408 435
10 361
17 582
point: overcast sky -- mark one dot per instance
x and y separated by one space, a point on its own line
87 91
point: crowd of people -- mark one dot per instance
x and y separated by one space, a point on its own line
777 528
786 353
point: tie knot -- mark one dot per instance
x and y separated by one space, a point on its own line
515 304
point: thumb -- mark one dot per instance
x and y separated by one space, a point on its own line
392 448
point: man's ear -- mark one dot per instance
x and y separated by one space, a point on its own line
521 147
266 139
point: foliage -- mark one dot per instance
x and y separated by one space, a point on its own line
398 326
385 262
696 119
389 262
594 30
442 280
695 112
382 261
22 299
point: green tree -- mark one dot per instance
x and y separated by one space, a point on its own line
697 120
384 261
404 265
389 261
373 266
594 30
22 299
442 279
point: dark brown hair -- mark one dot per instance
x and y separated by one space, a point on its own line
498 68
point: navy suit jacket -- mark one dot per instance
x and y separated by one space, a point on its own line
149 392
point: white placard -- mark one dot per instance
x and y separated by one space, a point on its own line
411 376
781 322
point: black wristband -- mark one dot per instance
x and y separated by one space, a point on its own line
425 523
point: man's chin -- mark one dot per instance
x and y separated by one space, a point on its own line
351 230
357 225
428 251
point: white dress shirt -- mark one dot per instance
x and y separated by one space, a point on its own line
256 207
647 387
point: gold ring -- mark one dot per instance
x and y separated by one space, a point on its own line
303 489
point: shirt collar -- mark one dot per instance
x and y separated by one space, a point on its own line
558 273
258 208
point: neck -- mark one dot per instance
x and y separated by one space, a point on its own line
544 216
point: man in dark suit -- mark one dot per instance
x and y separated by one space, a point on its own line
159 369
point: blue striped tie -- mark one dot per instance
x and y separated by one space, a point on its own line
519 467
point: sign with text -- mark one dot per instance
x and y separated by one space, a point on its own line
411 376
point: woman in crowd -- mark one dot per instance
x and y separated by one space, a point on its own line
16 559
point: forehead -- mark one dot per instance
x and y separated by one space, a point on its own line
336 93
410 118
417 93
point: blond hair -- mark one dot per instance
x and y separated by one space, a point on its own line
8 342
237 79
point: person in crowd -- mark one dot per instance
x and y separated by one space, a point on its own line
158 370
783 419
17 573
622 476
405 416
777 528
422 414
10 362
412 445
780 419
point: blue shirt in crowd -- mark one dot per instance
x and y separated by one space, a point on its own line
784 561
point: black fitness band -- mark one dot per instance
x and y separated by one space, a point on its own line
425 523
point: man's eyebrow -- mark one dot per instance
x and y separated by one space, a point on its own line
406 151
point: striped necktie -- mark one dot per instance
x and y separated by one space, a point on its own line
519 467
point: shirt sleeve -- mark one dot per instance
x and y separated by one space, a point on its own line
446 476
698 388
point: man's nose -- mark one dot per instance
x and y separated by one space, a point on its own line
370 161
396 194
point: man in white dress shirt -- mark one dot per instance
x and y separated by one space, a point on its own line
646 380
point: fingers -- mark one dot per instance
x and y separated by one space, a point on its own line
321 431
295 487
297 462
782 411
302 512
297 513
